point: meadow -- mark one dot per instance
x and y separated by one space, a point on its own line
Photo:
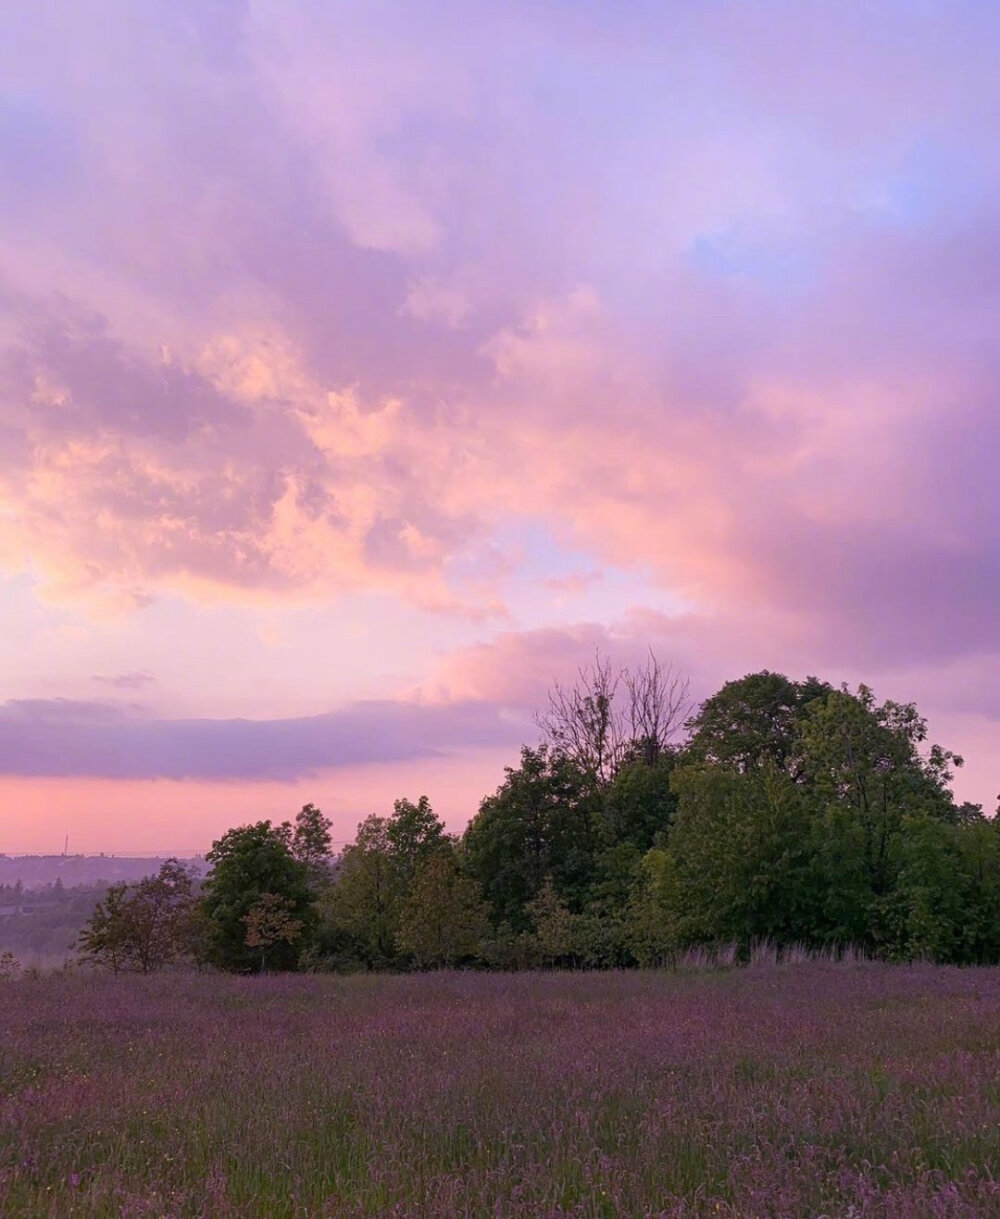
775 1090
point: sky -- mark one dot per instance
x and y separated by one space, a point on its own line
365 366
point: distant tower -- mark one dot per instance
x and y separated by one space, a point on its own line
66 846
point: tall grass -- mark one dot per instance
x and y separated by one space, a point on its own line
826 1089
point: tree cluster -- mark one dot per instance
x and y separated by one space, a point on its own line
792 812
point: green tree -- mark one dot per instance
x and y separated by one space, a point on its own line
654 934
361 913
443 918
542 822
248 862
103 939
309 842
929 896
978 843
142 926
639 803
753 722
414 833
556 928
737 864
866 766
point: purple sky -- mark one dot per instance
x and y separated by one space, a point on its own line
363 366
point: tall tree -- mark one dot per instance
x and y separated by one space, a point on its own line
414 833
542 822
443 917
247 863
360 911
739 863
866 766
753 721
309 841
361 914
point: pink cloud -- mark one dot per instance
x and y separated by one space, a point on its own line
304 303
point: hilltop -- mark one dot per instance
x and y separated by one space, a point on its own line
38 871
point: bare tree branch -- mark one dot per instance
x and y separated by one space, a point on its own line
659 699
611 714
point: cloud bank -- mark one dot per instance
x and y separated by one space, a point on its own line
313 299
61 738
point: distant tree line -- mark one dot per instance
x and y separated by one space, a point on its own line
780 811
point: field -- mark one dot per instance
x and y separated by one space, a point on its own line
813 1089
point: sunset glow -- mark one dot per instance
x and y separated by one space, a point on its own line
363 368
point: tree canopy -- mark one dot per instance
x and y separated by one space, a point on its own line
795 812
249 864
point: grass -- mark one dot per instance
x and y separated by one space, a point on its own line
810 1089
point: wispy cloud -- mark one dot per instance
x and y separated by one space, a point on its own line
133 680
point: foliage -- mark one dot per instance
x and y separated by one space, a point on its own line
796 815
639 803
361 911
556 930
753 722
443 918
270 923
144 926
309 842
737 864
247 863
541 823
414 833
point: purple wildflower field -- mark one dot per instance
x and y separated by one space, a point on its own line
799 1090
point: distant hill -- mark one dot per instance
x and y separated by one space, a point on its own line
38 871
45 900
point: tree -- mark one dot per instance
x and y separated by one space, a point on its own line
247 863
929 897
414 832
979 852
375 873
654 936
270 922
309 842
443 918
104 938
639 803
359 912
849 748
737 864
541 822
866 768
753 722
615 714
142 926
557 931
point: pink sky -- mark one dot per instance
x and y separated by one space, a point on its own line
363 367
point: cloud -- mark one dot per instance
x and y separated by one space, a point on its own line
66 738
133 680
706 290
